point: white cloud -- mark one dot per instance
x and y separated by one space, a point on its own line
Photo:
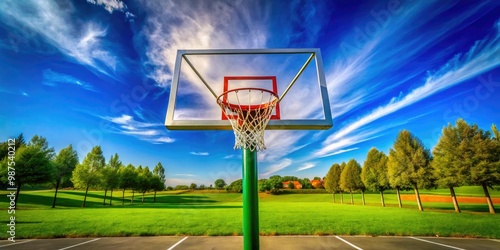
200 153
110 5
282 164
163 139
187 175
52 78
151 132
307 165
484 55
173 25
370 60
54 22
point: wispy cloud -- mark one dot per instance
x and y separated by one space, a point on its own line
52 78
232 156
282 164
375 56
113 5
200 153
481 57
187 175
307 165
81 41
151 132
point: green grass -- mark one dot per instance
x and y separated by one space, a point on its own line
216 213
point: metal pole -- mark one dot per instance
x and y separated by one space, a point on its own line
250 201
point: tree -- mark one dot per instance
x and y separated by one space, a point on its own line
291 185
193 186
87 174
332 180
144 177
448 162
350 179
220 184
496 133
409 165
276 183
264 185
110 177
374 172
202 187
317 178
4 146
342 167
306 183
289 178
483 162
33 164
158 182
64 164
235 186
126 179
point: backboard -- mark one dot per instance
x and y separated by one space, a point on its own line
295 75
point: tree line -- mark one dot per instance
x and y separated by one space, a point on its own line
37 163
464 155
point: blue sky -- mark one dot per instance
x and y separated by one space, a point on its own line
98 72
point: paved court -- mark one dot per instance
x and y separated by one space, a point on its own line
266 242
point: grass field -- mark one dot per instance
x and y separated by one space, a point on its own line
219 213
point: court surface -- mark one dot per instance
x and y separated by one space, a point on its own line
266 242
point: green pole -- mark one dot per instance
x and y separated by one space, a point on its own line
250 201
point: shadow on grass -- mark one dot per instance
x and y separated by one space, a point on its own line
162 201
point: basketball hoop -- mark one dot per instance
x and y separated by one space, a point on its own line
249 110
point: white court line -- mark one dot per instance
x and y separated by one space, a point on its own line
432 242
80 244
21 242
178 242
349 243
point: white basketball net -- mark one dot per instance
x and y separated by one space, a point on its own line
249 110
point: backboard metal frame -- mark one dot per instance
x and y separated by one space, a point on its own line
299 124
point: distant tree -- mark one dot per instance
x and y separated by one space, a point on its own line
33 164
350 179
235 186
144 177
483 162
64 164
87 174
409 164
374 173
181 187
289 178
127 179
264 185
317 178
332 180
306 183
448 162
193 186
159 170
110 177
291 185
220 184
202 187
210 187
275 183
158 182
170 188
